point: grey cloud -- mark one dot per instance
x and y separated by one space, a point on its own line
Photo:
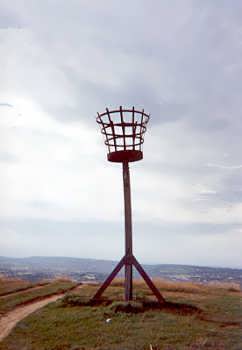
6 105
8 157
187 76
102 228
225 167
9 18
28 237
133 92
227 196
40 204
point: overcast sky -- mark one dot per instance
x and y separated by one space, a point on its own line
61 62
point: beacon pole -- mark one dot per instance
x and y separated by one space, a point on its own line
128 233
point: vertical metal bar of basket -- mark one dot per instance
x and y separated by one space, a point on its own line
133 128
123 126
112 128
141 127
104 131
128 233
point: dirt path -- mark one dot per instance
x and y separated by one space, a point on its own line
8 321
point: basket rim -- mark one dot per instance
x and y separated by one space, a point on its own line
121 109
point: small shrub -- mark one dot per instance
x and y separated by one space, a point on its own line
75 300
128 307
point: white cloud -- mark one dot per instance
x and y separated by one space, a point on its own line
229 167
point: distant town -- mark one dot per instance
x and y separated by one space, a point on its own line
38 268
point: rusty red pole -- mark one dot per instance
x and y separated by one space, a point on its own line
128 233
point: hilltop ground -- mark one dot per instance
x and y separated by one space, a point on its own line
195 317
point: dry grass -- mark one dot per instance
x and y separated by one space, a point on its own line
230 286
182 287
8 285
12 285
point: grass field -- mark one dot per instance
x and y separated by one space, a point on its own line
210 319
9 302
8 285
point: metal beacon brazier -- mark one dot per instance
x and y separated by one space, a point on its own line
124 131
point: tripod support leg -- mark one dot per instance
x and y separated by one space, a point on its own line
148 281
107 282
128 261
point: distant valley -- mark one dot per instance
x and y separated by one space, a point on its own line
38 268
